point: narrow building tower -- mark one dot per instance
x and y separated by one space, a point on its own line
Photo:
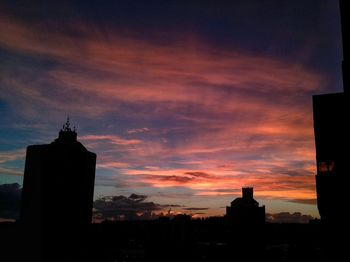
58 189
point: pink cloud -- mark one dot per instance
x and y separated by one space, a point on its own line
138 130
110 138
237 117
196 77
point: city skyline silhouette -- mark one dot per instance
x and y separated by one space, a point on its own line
177 134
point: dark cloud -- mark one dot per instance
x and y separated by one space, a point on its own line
122 207
134 207
186 178
10 196
199 174
286 217
196 208
174 178
167 206
137 198
180 179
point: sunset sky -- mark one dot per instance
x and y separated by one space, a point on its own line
182 101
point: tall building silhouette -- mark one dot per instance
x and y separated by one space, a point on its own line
58 188
331 138
245 209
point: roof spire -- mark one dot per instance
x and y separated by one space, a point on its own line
66 126
67 133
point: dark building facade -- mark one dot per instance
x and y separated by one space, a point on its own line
245 209
331 130
58 186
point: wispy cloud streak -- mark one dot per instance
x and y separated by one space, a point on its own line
194 115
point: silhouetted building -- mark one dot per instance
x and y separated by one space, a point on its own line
331 138
58 186
245 209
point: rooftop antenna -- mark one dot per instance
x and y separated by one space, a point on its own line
66 126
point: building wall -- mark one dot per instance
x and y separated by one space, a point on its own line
57 199
246 215
58 184
331 139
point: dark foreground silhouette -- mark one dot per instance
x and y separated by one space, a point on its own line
331 117
245 210
180 239
57 197
55 225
